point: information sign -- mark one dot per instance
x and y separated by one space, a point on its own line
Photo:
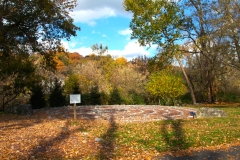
75 98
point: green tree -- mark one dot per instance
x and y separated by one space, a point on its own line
210 26
27 27
35 26
17 74
56 97
99 49
72 85
37 98
158 22
95 96
104 98
115 97
155 21
166 85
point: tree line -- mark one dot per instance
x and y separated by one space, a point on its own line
202 37
205 33
104 80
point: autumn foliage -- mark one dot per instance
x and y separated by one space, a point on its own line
166 85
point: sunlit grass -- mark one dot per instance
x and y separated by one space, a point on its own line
182 134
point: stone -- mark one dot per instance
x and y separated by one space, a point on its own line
85 133
25 109
98 139
210 112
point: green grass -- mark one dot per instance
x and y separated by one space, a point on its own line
182 134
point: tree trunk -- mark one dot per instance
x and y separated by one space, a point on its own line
188 82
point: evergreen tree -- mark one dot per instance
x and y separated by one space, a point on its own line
37 99
115 97
56 97
95 96
72 85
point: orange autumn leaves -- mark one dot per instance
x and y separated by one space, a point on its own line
63 59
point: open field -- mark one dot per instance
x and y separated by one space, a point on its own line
105 134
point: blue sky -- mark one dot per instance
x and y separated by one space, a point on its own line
105 22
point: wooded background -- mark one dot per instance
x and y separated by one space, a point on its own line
197 60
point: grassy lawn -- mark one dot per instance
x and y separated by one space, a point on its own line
38 137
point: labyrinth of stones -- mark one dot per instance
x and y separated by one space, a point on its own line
123 113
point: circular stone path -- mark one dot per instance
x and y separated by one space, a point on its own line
123 113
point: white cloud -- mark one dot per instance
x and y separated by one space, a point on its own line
89 16
65 44
88 11
94 32
104 35
84 51
130 51
70 45
125 32
116 5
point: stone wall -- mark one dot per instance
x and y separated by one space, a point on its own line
210 112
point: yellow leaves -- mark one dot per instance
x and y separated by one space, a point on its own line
60 66
166 85
121 61
85 84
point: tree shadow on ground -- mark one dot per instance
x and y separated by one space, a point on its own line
176 144
45 148
10 121
174 135
107 144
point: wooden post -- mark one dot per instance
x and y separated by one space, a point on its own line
74 99
75 114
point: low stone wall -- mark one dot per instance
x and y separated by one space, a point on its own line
25 109
210 112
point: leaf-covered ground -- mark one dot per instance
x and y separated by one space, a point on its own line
41 137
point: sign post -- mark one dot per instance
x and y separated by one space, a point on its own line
75 98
